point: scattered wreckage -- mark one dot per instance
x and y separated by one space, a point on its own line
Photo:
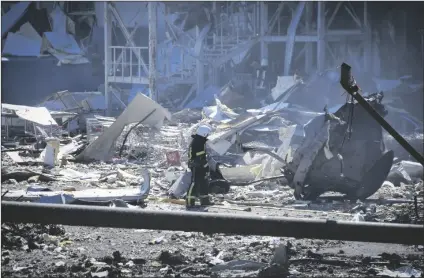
337 153
341 150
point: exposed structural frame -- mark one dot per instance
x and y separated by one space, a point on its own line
311 26
16 212
115 55
301 30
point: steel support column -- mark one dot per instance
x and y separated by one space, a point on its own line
263 30
291 34
107 61
152 49
368 64
200 68
168 46
321 36
309 46
124 218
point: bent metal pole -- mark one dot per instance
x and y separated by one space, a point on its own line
74 215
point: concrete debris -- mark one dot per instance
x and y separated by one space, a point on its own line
103 147
280 145
406 172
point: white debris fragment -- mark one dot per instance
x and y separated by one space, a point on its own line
102 274
404 271
358 218
124 176
111 179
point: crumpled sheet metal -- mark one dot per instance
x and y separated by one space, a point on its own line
220 112
88 195
38 115
103 147
284 83
272 165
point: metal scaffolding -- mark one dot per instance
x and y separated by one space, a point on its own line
236 29
75 215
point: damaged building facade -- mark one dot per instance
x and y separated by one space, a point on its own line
308 118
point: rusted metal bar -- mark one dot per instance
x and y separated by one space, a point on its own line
16 212
349 84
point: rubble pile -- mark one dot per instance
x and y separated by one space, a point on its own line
105 252
28 236
278 160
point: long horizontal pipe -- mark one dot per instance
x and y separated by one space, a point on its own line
125 218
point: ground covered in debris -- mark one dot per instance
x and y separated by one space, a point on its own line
102 252
51 251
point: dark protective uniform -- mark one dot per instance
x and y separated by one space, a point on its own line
199 167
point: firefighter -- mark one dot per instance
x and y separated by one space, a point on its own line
199 167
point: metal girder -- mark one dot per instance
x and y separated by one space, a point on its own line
321 36
126 34
308 46
331 35
263 30
108 54
200 67
241 47
152 6
124 218
349 84
275 17
352 13
368 65
291 31
333 15
121 55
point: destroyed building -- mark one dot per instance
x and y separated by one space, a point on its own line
99 102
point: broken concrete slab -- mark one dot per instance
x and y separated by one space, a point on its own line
103 147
